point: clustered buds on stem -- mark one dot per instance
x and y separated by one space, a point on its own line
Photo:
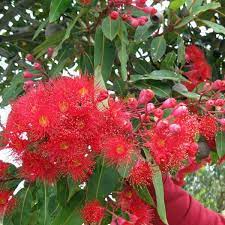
118 10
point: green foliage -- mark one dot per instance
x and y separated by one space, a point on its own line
86 39
208 185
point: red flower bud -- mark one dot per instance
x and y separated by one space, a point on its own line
29 57
150 10
150 107
37 66
180 111
222 121
162 124
114 15
142 20
27 74
175 128
219 102
145 96
209 104
169 103
158 113
134 22
50 52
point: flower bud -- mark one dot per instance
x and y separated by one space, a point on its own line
150 108
146 95
142 20
175 128
169 103
134 22
150 10
219 102
222 121
162 124
37 66
158 113
114 15
180 111
209 104
29 57
27 74
50 52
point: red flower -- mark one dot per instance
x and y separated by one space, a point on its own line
93 212
36 166
140 213
7 202
193 53
117 150
199 69
169 148
79 166
141 174
208 129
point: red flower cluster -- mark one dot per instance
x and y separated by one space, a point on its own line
199 69
119 11
7 202
139 212
172 140
58 128
208 129
93 212
141 173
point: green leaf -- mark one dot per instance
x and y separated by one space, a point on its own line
190 95
25 207
142 33
161 89
102 182
196 11
180 51
176 4
38 31
122 54
185 21
62 191
200 9
144 194
158 48
158 75
104 55
159 191
216 27
57 8
69 214
142 66
123 57
120 87
62 60
220 143
12 91
110 28
168 62
69 29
